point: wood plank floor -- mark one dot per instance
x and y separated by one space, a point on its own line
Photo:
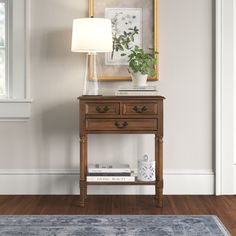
222 206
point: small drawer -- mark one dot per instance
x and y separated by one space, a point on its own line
149 108
121 124
102 108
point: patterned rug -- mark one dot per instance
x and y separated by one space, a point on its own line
112 225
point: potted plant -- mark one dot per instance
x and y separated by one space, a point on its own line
141 64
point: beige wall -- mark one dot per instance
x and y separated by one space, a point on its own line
50 139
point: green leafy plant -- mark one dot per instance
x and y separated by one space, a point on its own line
141 61
121 42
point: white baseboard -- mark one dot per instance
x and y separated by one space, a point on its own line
234 181
188 182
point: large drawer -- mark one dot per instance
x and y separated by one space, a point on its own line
121 124
103 108
142 108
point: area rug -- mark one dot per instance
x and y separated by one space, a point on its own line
112 225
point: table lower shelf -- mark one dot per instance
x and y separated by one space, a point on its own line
123 183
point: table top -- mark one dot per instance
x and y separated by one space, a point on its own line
98 97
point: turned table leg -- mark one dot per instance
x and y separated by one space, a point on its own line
83 169
159 169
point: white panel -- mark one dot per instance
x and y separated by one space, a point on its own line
67 182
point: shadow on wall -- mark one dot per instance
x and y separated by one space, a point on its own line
61 119
59 184
59 149
58 141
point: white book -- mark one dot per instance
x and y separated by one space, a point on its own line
111 178
137 93
115 168
135 88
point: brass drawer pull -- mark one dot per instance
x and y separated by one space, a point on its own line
138 110
121 125
102 109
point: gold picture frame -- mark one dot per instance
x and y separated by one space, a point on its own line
100 5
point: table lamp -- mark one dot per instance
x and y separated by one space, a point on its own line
91 36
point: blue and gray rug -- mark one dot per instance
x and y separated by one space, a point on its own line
112 225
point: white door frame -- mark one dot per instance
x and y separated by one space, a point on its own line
225 68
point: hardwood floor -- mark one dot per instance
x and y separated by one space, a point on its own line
222 206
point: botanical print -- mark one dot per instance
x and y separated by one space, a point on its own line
126 33
117 68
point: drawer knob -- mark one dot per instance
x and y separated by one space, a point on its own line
121 125
102 109
140 110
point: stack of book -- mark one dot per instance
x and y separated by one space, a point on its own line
137 91
110 173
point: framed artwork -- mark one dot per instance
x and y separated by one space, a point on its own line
134 22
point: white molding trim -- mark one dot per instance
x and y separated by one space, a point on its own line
234 179
219 77
234 46
27 49
225 96
56 181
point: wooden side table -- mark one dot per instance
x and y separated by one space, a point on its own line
121 115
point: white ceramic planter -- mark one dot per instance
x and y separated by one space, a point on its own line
139 79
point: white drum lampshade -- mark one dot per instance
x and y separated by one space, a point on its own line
91 36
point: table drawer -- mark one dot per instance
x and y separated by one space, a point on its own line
102 108
121 124
150 108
